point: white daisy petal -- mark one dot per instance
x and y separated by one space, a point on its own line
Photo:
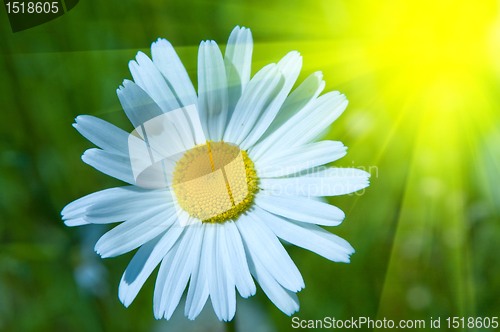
127 294
102 133
238 62
305 210
117 166
148 77
106 206
198 291
178 271
76 222
134 232
167 61
238 262
299 98
225 276
210 245
282 298
137 104
335 106
144 262
289 67
296 159
161 279
257 96
305 126
328 182
104 213
263 246
308 236
212 90
79 206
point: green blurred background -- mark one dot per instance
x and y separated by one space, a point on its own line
423 80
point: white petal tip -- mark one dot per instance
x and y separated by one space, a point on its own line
189 315
75 222
162 42
67 209
168 314
346 260
125 83
124 299
86 155
208 43
291 312
318 74
294 56
132 63
98 248
141 56
248 293
238 29
80 118
124 293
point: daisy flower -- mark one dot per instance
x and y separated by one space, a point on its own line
217 178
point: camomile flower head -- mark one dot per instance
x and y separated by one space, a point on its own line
216 178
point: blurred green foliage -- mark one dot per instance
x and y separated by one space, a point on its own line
426 233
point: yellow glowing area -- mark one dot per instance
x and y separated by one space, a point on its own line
422 80
434 46
215 182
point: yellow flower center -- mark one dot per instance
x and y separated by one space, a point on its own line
215 182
